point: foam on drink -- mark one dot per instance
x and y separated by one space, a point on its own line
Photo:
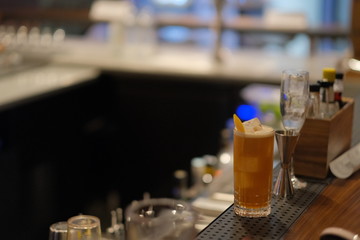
254 126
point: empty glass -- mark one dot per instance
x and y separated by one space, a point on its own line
160 219
58 231
84 227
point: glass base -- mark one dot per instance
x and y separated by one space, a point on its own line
252 212
297 183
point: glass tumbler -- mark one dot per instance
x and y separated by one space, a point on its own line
160 219
84 227
253 168
58 231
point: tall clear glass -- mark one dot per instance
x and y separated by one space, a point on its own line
253 167
294 98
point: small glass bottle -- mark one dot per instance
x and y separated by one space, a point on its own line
329 76
314 101
324 99
338 89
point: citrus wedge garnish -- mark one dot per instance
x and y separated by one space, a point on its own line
238 124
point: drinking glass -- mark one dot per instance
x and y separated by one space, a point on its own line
84 227
58 231
294 97
161 219
253 166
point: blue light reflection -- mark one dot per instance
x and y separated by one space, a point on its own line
246 112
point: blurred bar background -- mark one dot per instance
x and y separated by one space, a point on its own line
102 101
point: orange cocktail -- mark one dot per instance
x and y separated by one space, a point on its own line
253 166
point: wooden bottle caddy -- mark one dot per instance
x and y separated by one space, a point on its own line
323 140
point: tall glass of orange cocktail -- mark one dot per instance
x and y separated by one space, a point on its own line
253 167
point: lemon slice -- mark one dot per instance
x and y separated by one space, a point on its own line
238 124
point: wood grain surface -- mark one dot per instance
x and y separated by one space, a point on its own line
323 140
337 206
355 28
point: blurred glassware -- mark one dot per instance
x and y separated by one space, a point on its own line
180 187
46 37
21 35
34 37
8 36
58 231
84 227
117 229
59 36
198 166
160 218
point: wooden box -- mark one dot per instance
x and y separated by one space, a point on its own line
322 140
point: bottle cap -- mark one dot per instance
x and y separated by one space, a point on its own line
329 74
339 76
314 87
324 84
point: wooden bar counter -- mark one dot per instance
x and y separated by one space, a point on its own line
337 206
329 203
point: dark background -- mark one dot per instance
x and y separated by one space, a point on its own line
103 144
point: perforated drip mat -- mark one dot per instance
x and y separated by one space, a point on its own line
284 212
